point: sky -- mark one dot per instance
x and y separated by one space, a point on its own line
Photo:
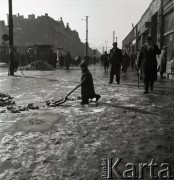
105 16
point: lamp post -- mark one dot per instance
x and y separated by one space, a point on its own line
10 21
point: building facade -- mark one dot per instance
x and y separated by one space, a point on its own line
45 30
157 22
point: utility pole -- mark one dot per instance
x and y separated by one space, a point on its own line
116 38
10 24
161 26
113 36
87 36
103 49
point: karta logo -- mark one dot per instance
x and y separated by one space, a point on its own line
119 170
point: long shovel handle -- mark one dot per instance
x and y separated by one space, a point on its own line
64 99
72 90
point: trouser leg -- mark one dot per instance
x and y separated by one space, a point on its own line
151 85
118 79
146 86
105 67
111 77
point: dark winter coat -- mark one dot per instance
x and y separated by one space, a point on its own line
61 60
163 62
115 58
67 60
125 63
148 63
87 86
54 60
105 59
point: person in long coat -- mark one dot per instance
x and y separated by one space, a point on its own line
54 60
61 61
163 62
67 60
115 58
87 86
125 63
148 63
106 61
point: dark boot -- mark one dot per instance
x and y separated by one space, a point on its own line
151 86
111 79
146 87
118 79
97 96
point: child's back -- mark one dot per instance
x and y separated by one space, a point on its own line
87 86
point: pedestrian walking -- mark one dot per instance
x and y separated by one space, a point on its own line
67 60
148 63
61 61
132 57
54 60
139 70
115 58
22 59
106 61
163 62
87 86
125 63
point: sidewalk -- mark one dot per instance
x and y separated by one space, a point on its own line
68 142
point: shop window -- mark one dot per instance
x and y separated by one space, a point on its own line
168 22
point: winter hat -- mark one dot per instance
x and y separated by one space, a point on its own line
84 64
114 44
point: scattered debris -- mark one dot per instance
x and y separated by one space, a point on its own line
31 106
39 65
5 100
3 111
53 103
15 111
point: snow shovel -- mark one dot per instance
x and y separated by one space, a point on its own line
61 101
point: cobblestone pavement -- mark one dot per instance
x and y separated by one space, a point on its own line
69 142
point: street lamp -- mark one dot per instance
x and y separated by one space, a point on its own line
10 21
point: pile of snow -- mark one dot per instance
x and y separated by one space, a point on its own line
39 65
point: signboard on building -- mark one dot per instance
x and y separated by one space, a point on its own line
5 37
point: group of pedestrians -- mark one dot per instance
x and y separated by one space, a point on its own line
145 63
66 60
